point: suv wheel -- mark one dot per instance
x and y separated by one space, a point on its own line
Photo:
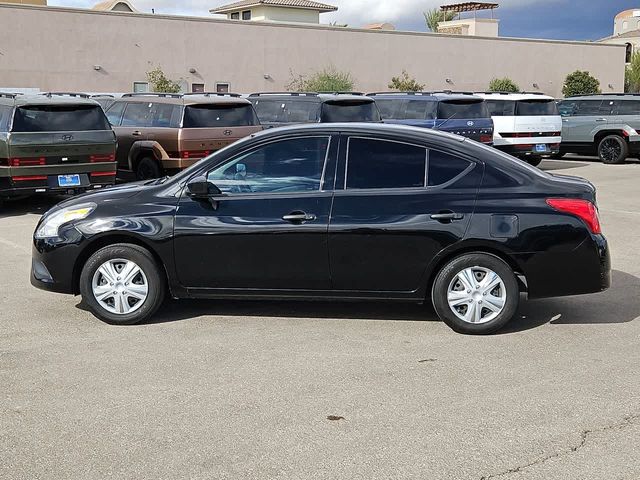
613 149
122 284
476 294
534 161
148 169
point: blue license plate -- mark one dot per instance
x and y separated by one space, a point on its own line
541 148
69 180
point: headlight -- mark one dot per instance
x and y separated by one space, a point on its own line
52 223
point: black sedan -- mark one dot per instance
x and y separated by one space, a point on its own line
332 211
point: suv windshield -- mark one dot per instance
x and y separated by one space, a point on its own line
287 111
210 116
350 111
59 118
452 109
527 108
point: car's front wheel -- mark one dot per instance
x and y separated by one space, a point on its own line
613 149
476 294
122 284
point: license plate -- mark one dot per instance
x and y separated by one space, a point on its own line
541 148
69 180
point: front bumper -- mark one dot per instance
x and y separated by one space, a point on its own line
53 262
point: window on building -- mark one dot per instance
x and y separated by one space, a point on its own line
374 163
246 15
197 88
140 87
222 87
235 16
629 53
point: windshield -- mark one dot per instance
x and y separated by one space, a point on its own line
287 111
359 111
59 118
464 109
211 116
527 108
392 109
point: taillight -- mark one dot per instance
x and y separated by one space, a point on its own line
102 158
103 174
486 138
27 162
29 178
194 153
583 209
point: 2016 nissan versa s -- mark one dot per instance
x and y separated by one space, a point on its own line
333 211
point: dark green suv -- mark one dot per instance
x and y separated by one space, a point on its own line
54 143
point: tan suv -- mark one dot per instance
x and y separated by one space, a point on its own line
161 133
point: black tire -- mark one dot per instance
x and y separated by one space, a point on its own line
155 279
148 168
534 161
557 156
613 149
446 277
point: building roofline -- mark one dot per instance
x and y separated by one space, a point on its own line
235 6
260 24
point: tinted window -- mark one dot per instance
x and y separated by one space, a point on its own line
105 102
137 114
287 166
287 111
166 115
501 108
59 118
626 107
391 109
444 167
351 111
526 108
452 109
209 115
589 107
114 114
384 164
567 108
5 117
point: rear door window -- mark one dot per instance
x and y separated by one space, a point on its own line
59 118
166 115
463 109
533 108
587 108
501 108
377 164
211 116
350 111
138 114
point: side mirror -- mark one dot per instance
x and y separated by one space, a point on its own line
200 187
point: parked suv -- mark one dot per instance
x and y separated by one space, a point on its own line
526 125
161 133
460 113
54 143
601 124
279 109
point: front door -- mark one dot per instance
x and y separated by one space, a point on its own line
268 231
136 121
588 117
396 206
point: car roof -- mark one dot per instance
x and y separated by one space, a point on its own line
513 96
179 99
312 96
23 100
426 96
606 96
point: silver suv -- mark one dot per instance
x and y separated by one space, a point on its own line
605 125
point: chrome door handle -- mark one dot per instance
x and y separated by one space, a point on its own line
299 217
136 133
447 216
601 119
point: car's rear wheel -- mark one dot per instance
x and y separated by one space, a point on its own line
148 169
534 161
613 149
476 294
122 284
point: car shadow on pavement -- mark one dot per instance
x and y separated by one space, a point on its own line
619 304
37 205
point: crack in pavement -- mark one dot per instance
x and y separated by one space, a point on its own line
584 435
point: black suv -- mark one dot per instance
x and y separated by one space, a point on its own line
279 109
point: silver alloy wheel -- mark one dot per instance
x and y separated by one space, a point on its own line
120 286
477 295
610 150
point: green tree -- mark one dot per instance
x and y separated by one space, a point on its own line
329 79
405 83
434 16
503 85
580 83
632 75
160 83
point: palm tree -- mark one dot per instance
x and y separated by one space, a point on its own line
434 16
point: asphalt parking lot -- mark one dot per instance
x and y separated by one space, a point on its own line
254 390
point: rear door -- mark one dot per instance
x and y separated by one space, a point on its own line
397 205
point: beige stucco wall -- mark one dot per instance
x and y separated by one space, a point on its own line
56 49
481 27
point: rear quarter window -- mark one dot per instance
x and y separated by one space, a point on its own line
444 167
211 116
626 107
59 118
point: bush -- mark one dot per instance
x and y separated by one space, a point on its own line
404 83
580 83
503 85
160 83
328 79
632 75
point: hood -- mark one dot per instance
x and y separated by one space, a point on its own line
106 195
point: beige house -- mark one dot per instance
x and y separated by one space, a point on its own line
293 11
115 6
626 31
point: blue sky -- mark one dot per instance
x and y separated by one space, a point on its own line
555 19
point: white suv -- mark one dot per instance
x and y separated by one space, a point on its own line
526 125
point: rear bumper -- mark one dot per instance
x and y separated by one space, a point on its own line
528 150
178 163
